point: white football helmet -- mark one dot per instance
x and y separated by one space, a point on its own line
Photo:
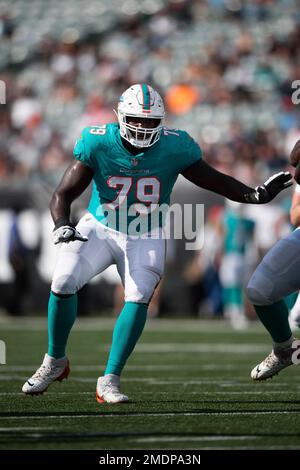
140 101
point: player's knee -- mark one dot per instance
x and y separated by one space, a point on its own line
142 290
142 293
257 292
257 297
64 285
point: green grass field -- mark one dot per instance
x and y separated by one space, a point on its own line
188 381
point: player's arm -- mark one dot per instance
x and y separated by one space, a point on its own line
205 176
295 160
295 210
76 179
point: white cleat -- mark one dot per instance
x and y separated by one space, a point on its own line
239 323
277 360
51 370
108 390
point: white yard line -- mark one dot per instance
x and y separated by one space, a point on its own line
26 428
160 367
224 348
182 381
155 380
194 438
106 324
157 415
199 393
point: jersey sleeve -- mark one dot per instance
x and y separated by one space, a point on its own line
84 148
192 152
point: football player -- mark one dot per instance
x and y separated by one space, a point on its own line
276 277
133 165
294 317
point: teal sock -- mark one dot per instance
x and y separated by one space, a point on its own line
127 331
233 296
61 316
275 319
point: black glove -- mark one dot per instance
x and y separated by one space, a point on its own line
267 191
65 232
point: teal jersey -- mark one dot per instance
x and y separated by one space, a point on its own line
238 232
128 188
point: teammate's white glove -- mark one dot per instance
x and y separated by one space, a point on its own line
267 191
67 233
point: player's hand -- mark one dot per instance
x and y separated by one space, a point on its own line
267 191
295 154
67 233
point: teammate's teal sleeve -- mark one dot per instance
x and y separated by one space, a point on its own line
126 185
238 232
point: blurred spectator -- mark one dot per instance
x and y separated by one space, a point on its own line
6 25
202 273
238 235
225 75
23 252
225 69
181 98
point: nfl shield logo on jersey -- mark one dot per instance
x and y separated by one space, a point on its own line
134 161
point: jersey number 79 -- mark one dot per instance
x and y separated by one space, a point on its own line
147 191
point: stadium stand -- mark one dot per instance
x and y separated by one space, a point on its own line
231 63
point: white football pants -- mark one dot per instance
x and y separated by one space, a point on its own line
140 260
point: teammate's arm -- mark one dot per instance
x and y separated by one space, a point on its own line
295 160
295 154
76 179
295 210
205 176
